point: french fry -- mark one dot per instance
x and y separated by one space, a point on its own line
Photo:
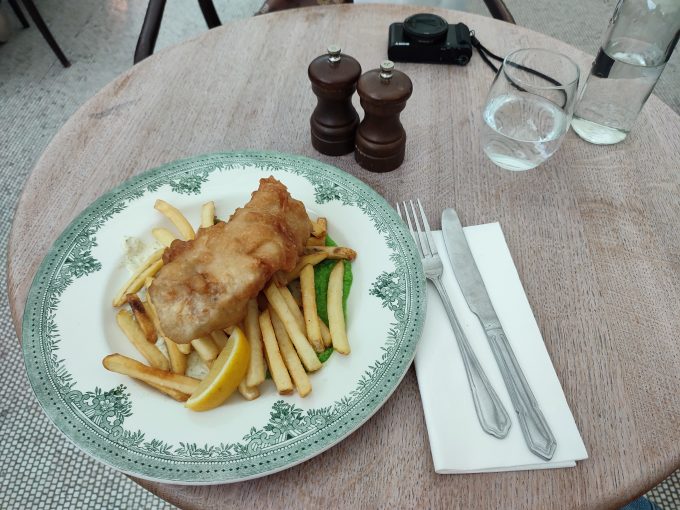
256 368
205 348
185 348
247 392
177 395
143 319
176 217
316 241
163 236
150 271
277 368
220 339
283 278
208 215
325 334
133 368
290 357
336 315
149 268
319 228
134 333
333 252
178 360
294 308
304 350
309 308
151 310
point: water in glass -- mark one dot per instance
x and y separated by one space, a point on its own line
522 130
638 42
610 102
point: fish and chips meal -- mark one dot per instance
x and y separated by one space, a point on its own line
259 296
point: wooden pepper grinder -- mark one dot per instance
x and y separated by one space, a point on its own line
334 120
381 140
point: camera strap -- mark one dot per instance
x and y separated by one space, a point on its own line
487 55
484 52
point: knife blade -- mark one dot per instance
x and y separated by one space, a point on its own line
535 428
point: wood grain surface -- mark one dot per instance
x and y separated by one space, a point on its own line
594 233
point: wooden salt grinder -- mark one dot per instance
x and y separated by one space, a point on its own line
381 140
334 120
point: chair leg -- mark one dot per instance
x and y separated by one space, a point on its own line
209 13
20 14
150 27
40 23
499 10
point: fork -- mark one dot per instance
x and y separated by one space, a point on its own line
492 415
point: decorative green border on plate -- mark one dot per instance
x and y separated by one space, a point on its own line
94 420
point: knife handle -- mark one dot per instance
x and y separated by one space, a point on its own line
535 428
492 415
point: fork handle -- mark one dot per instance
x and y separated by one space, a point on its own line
492 415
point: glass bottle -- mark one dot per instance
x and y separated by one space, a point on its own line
639 41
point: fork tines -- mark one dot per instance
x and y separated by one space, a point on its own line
424 241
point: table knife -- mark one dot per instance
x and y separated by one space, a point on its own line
535 429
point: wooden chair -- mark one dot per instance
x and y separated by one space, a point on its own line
40 24
497 8
279 5
154 13
152 24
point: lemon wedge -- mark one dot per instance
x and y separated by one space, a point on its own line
226 373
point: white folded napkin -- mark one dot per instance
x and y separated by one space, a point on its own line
457 441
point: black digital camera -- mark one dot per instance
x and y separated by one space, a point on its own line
429 38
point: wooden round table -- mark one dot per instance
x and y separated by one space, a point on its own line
593 232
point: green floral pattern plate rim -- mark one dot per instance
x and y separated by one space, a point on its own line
69 325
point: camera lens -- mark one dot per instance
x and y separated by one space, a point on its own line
425 28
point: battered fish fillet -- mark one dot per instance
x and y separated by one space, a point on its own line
206 283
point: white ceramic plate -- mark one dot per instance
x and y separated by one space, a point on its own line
69 326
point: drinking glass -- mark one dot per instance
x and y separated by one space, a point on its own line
529 108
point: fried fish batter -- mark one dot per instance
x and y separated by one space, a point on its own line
206 283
